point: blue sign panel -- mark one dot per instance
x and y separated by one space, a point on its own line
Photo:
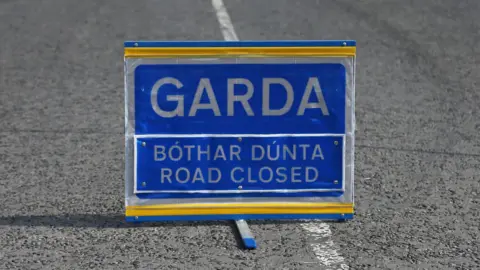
244 164
210 130
298 98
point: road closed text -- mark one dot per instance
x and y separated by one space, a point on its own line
239 164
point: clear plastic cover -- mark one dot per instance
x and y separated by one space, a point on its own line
132 199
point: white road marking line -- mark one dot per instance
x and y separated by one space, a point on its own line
224 19
320 232
323 246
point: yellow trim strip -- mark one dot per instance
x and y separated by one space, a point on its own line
156 52
230 205
239 208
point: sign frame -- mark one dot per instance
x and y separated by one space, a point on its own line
139 208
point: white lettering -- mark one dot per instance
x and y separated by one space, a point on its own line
170 153
198 176
317 152
250 178
165 173
200 152
281 172
313 83
235 151
260 174
178 111
187 175
292 154
294 173
161 153
189 151
308 179
212 105
269 154
266 97
210 175
232 175
219 153
243 99
304 147
205 86
255 146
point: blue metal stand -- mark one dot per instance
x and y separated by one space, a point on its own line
246 234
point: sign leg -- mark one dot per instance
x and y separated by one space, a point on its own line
246 234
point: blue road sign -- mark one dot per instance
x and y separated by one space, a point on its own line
239 130
290 119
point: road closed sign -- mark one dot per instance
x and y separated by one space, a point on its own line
239 130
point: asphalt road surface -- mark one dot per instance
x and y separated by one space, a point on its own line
417 167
